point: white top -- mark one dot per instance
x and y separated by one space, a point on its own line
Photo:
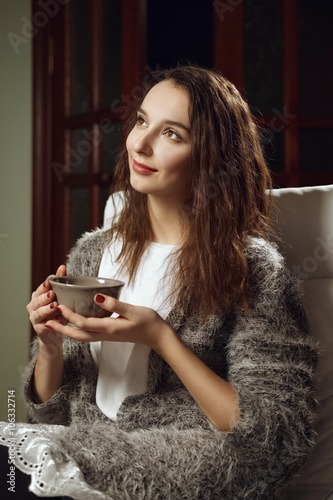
123 366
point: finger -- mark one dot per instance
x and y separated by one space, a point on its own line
45 298
101 325
76 319
44 313
43 288
71 332
113 305
41 300
61 271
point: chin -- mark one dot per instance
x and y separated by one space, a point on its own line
140 187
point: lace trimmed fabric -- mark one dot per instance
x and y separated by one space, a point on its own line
35 451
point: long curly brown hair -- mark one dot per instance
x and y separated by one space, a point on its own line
230 195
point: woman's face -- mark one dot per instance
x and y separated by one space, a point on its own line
159 145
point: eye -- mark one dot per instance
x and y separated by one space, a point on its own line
172 134
140 121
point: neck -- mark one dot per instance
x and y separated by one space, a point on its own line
166 222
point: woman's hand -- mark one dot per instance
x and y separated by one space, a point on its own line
136 324
49 367
142 325
42 307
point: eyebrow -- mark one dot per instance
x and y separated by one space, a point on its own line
169 122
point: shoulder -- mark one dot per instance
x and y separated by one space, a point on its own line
271 284
262 253
265 262
85 256
91 240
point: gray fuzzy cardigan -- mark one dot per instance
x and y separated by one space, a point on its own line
162 445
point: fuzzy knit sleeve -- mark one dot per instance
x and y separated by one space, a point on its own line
83 259
57 410
271 364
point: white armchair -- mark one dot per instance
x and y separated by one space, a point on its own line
304 218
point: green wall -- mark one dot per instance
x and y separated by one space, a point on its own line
15 195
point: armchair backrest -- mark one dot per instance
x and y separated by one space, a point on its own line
304 220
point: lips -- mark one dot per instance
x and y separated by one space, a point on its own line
140 168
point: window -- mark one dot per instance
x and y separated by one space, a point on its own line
88 61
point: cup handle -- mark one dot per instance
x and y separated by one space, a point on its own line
51 276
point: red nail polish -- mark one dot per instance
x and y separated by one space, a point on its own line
52 305
100 298
45 284
50 327
48 294
58 309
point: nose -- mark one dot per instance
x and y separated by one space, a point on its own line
144 144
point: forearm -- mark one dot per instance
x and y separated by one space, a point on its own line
49 371
216 397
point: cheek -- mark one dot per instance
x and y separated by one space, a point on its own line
178 163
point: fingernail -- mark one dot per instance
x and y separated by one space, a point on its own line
58 309
100 298
48 294
52 305
50 327
45 284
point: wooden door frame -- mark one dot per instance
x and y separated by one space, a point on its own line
51 204
51 201
42 101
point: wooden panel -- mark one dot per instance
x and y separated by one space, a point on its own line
229 40
291 91
60 225
41 238
52 93
134 28
316 179
95 31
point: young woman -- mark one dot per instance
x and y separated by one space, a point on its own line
200 383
